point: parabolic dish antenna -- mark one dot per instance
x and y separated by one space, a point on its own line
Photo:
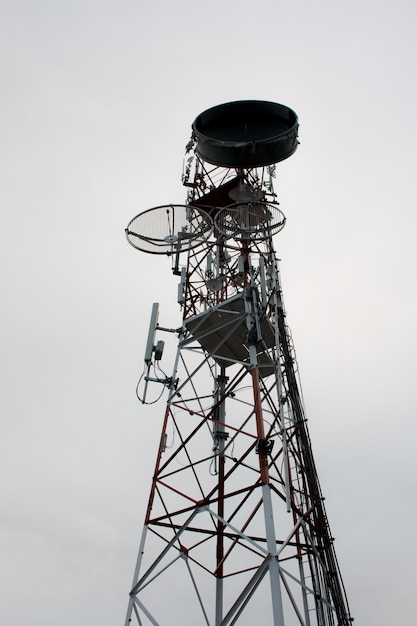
169 229
246 133
251 220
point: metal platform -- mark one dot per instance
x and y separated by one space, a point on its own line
222 333
246 133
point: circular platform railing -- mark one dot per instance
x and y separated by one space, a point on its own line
246 133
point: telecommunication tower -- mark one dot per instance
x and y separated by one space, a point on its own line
235 529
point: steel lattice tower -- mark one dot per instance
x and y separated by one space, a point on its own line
235 529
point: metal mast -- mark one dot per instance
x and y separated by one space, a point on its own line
235 529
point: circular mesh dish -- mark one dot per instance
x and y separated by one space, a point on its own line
169 229
250 220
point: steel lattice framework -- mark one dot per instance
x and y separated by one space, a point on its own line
235 529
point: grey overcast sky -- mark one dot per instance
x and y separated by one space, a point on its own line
98 97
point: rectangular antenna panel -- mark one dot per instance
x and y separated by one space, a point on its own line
151 333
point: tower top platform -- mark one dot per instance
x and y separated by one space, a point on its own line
246 133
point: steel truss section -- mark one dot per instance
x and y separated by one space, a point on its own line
234 466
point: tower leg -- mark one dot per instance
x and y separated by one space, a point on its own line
136 576
220 437
277 609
